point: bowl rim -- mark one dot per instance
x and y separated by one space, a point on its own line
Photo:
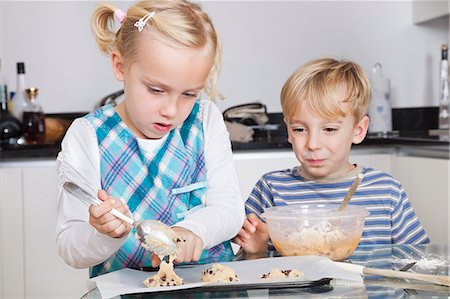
320 210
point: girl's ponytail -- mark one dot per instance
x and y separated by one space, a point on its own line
104 29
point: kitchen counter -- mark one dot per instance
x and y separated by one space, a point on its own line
407 146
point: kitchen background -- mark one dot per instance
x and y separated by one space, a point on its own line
263 43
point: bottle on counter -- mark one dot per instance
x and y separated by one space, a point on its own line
443 90
380 110
33 123
19 99
10 126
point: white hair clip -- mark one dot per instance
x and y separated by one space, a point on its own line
143 21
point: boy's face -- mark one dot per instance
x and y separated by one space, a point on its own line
322 145
161 85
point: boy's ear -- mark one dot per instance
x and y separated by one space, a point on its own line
288 131
360 130
118 66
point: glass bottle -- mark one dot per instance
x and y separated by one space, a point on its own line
33 123
380 111
19 100
10 126
443 90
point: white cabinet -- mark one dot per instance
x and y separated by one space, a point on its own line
426 181
11 234
30 264
427 10
251 166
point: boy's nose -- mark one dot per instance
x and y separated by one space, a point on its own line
313 141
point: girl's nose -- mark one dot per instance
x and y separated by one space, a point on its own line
169 107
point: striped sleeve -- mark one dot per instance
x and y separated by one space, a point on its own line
406 227
260 198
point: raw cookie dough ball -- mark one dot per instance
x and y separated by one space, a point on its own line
165 277
219 273
277 273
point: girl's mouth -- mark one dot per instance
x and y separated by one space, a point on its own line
162 127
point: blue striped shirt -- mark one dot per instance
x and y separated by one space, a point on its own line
392 220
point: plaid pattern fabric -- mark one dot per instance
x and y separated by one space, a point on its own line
145 182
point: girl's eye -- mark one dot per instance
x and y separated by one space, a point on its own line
190 94
155 90
300 130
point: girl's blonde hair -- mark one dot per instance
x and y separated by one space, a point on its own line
178 21
324 84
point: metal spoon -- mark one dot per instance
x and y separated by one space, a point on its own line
154 235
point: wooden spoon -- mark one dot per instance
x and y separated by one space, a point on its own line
351 191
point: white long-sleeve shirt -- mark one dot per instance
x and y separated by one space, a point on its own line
81 246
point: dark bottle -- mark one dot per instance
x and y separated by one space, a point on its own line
10 127
33 123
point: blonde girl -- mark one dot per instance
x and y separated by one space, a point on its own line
162 153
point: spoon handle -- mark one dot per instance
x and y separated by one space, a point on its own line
351 191
86 197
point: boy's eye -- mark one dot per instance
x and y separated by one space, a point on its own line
299 130
330 130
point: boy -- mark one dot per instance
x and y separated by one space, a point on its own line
325 105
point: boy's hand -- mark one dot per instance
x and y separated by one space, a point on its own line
106 223
190 251
253 236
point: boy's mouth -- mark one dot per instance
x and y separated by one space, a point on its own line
315 162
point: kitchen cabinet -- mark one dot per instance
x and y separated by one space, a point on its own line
11 234
30 264
424 11
426 183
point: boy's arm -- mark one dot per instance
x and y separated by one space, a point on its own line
254 236
406 227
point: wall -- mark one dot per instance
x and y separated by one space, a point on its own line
264 41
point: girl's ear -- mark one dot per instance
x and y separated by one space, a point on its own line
118 66
360 130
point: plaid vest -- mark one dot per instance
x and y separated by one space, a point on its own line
166 186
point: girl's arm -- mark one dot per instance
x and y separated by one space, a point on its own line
78 243
223 215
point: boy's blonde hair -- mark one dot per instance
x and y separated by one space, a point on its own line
177 21
324 84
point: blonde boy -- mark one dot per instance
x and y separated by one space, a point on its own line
325 105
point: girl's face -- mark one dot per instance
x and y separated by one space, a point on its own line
161 86
322 145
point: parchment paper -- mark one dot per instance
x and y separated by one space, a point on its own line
127 281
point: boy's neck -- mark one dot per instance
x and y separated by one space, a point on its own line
353 171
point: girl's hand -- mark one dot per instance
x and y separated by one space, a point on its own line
253 236
191 249
106 223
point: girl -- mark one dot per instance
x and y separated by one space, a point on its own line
161 153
